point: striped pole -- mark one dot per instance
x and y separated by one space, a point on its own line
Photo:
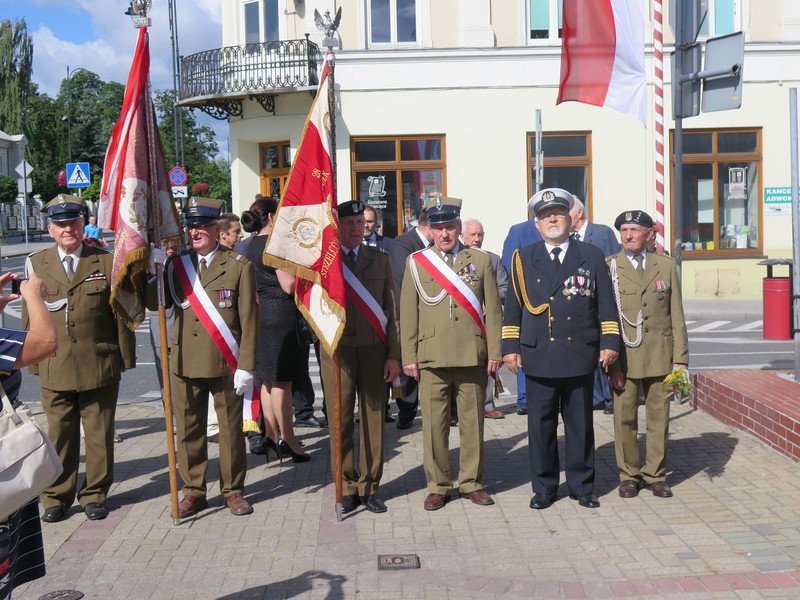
658 54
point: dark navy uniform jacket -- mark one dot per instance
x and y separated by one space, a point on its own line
559 321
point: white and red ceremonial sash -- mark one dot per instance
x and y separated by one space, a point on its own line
216 327
434 265
366 302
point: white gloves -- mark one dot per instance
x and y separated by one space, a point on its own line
242 380
156 256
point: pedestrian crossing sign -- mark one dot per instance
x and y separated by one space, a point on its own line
78 175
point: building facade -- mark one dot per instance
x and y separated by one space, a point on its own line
439 97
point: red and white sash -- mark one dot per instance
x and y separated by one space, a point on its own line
366 302
216 327
434 265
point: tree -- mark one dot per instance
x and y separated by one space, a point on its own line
16 60
199 146
8 189
46 139
217 176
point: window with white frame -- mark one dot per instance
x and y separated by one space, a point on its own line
261 22
544 19
724 16
392 22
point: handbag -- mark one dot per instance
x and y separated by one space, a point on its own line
29 463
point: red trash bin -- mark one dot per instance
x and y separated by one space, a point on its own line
777 308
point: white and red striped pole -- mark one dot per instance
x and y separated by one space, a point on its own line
658 55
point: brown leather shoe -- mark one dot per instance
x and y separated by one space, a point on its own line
238 505
629 489
494 414
661 489
213 439
479 497
436 501
191 505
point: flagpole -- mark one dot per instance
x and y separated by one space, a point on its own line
155 221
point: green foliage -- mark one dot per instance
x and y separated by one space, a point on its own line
199 147
8 189
16 60
46 144
93 191
217 175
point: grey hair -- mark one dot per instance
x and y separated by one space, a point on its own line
468 221
578 203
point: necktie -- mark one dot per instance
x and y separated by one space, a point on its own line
68 267
637 263
203 266
448 258
351 254
556 252
577 236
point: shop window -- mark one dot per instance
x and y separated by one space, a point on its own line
567 163
544 19
392 22
395 175
275 161
721 208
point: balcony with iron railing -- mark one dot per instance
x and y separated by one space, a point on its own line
216 81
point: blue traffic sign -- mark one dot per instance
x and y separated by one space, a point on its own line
78 175
177 176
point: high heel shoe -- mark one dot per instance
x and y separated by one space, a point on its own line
270 445
285 449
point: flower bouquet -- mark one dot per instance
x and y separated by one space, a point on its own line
678 380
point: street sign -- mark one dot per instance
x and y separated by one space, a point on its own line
694 11
78 175
24 185
180 191
692 57
724 54
177 176
23 169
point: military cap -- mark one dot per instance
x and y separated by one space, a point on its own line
353 208
199 211
65 207
634 217
443 210
551 198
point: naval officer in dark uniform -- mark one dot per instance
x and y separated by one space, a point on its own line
560 319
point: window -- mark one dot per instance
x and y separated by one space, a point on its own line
394 174
261 22
392 22
567 163
722 18
544 19
721 208
275 162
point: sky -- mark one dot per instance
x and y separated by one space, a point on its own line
98 36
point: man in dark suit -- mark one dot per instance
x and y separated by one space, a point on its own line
559 319
603 237
80 381
372 237
519 236
400 249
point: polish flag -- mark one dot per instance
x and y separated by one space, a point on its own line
602 55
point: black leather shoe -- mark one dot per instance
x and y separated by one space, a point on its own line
257 444
349 503
586 500
374 504
404 423
522 411
541 501
387 417
95 511
453 422
54 514
311 421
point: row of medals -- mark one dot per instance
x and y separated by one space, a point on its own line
224 298
577 284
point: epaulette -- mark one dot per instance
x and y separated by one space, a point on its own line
240 258
39 251
418 251
476 248
377 249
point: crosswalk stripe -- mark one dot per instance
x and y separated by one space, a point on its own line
708 326
748 327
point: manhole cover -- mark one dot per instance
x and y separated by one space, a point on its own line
398 561
62 595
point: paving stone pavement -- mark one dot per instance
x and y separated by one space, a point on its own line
731 531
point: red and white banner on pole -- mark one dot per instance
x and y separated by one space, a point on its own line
658 115
602 55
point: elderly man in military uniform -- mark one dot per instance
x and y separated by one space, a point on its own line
369 352
80 382
648 295
450 319
559 320
213 351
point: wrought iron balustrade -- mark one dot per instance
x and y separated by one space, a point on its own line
217 80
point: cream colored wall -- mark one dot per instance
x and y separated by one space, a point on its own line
444 23
506 18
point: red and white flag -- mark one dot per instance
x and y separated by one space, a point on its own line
602 55
305 234
135 194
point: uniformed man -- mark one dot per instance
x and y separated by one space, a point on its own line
80 382
559 318
450 321
648 295
369 352
222 306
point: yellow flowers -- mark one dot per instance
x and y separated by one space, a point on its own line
679 380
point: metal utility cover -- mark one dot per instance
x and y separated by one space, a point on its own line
397 561
724 93
62 595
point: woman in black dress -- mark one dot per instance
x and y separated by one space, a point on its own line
21 547
279 355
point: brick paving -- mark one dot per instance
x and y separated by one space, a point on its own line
731 531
